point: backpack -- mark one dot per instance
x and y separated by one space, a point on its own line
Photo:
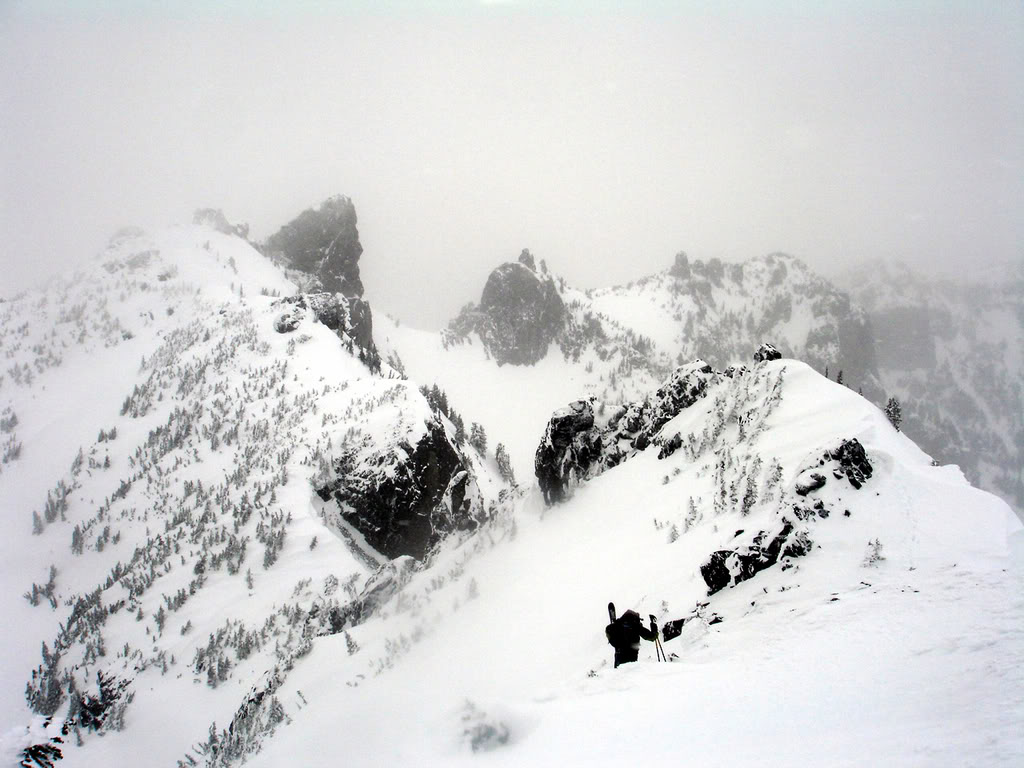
624 632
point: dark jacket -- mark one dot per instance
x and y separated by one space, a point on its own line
624 635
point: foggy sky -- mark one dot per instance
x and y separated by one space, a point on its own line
604 140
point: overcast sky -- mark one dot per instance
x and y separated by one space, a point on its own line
605 140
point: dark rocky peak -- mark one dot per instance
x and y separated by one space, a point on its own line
402 497
325 243
519 315
577 446
215 219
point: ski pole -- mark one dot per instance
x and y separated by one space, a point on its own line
658 650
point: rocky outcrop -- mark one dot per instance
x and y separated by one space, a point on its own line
766 353
405 498
575 447
852 462
519 315
570 448
812 483
348 316
728 567
849 460
325 243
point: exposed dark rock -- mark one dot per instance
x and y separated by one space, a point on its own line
766 352
324 242
727 568
570 446
574 448
405 498
523 314
813 483
519 315
350 316
853 462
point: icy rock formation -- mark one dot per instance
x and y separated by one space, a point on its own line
575 447
324 242
350 316
519 315
404 498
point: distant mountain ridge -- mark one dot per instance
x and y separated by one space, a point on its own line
950 352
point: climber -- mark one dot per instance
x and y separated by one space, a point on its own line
624 634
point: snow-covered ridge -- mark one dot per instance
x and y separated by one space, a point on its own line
185 543
514 648
234 614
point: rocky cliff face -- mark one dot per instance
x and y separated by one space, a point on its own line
404 497
325 243
519 315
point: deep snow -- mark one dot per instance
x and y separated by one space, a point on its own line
916 659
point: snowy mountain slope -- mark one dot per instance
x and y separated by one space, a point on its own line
913 657
192 560
953 353
240 571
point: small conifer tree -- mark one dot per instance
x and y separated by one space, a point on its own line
894 413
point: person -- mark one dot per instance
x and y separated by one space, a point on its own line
624 636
